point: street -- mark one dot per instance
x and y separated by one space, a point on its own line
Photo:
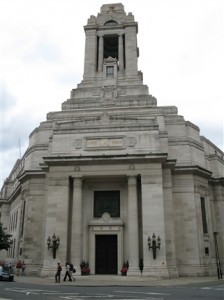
19 291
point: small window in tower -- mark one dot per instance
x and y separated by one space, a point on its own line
206 251
110 71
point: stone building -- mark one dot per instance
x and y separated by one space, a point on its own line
111 169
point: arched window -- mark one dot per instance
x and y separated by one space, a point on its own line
111 23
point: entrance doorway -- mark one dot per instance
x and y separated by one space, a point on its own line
106 254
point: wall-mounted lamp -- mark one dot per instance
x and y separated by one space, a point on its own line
154 244
53 243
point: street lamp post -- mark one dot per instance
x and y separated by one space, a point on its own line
53 243
218 262
154 244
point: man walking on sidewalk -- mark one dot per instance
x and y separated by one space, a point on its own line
58 273
67 273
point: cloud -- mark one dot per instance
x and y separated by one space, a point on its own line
214 133
42 56
17 130
42 51
7 100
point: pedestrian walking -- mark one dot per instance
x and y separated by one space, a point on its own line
23 268
58 273
18 268
67 273
72 271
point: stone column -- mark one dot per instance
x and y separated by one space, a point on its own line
121 53
133 240
100 54
76 236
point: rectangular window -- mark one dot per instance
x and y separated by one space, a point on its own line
23 218
106 201
206 251
110 71
203 214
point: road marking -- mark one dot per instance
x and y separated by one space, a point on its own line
145 293
163 294
23 291
216 288
5 299
84 297
57 293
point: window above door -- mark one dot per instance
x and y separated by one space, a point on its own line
106 202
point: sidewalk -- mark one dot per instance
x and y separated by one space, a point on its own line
115 280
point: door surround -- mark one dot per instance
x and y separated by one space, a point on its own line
105 226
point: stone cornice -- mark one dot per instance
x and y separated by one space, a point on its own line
4 201
14 194
31 174
217 181
194 169
185 141
106 159
36 147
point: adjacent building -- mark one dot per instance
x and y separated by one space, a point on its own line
112 170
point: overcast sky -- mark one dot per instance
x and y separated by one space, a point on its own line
42 42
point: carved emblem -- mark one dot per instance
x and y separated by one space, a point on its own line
78 144
131 141
106 217
108 92
105 119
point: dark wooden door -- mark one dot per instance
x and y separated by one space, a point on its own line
106 254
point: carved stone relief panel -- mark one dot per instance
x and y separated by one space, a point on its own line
95 143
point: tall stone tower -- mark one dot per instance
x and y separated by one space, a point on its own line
111 75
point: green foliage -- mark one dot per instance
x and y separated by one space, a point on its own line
5 241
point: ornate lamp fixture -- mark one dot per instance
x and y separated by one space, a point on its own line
53 243
154 244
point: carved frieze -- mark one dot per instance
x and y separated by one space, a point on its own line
95 143
106 228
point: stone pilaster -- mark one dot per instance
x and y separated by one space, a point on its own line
100 54
56 216
121 53
90 55
133 239
131 52
153 221
76 236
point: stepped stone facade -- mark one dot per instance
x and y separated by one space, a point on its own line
112 168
